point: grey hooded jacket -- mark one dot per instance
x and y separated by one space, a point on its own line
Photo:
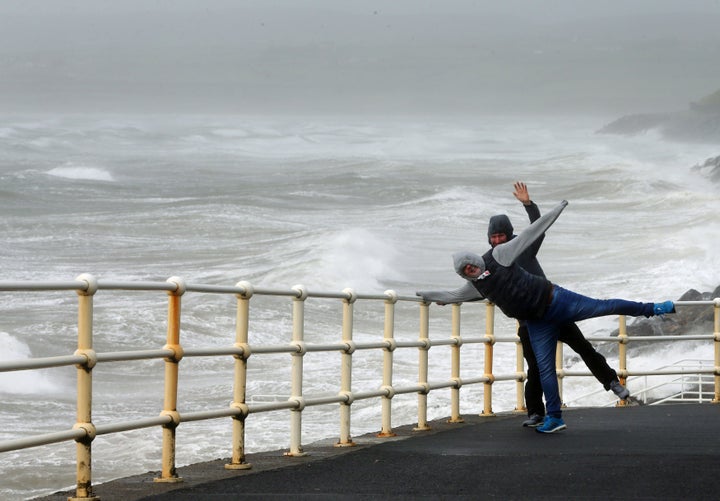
519 294
527 259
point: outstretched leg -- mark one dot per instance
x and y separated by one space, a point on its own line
569 306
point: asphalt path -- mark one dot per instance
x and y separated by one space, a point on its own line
636 452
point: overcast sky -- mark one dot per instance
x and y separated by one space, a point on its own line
342 56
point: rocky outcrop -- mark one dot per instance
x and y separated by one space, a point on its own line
630 125
687 320
710 168
688 126
699 123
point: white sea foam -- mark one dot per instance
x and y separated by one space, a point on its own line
20 382
78 172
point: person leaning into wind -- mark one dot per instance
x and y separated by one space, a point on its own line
543 305
499 231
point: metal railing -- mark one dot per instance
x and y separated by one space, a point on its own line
694 384
86 359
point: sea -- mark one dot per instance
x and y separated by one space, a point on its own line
330 202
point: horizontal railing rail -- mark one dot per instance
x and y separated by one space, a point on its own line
85 359
693 373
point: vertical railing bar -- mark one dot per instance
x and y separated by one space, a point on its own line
346 369
168 473
242 324
388 337
83 446
298 335
490 335
622 355
423 356
559 362
455 416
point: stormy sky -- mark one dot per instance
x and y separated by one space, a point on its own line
343 56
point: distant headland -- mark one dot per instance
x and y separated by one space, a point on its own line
700 123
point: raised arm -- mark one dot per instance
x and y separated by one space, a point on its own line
533 211
522 194
507 253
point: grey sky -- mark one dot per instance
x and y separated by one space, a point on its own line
338 56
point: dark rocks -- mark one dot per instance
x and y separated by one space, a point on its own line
699 123
688 319
687 126
710 168
631 125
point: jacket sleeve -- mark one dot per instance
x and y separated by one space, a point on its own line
506 254
463 294
533 212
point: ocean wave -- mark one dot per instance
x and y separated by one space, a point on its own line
25 382
82 173
354 257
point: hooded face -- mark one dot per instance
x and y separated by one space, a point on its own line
468 265
500 230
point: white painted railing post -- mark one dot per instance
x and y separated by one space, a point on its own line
346 369
455 416
622 355
423 352
83 447
490 335
559 369
391 345
172 369
296 390
240 384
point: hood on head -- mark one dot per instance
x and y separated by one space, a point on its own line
500 224
462 259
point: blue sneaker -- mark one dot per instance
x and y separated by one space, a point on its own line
551 425
663 308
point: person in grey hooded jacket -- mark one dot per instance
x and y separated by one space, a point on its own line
543 305
500 230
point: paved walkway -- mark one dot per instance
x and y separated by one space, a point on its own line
639 452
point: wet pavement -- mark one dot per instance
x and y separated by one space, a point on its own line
636 452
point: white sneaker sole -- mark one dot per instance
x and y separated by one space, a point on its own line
557 428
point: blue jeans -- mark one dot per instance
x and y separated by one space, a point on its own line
567 306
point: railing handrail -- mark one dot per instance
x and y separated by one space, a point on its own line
86 358
683 367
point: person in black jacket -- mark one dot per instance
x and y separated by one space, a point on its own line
500 230
544 305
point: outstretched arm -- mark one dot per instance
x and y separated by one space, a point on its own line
507 253
463 294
